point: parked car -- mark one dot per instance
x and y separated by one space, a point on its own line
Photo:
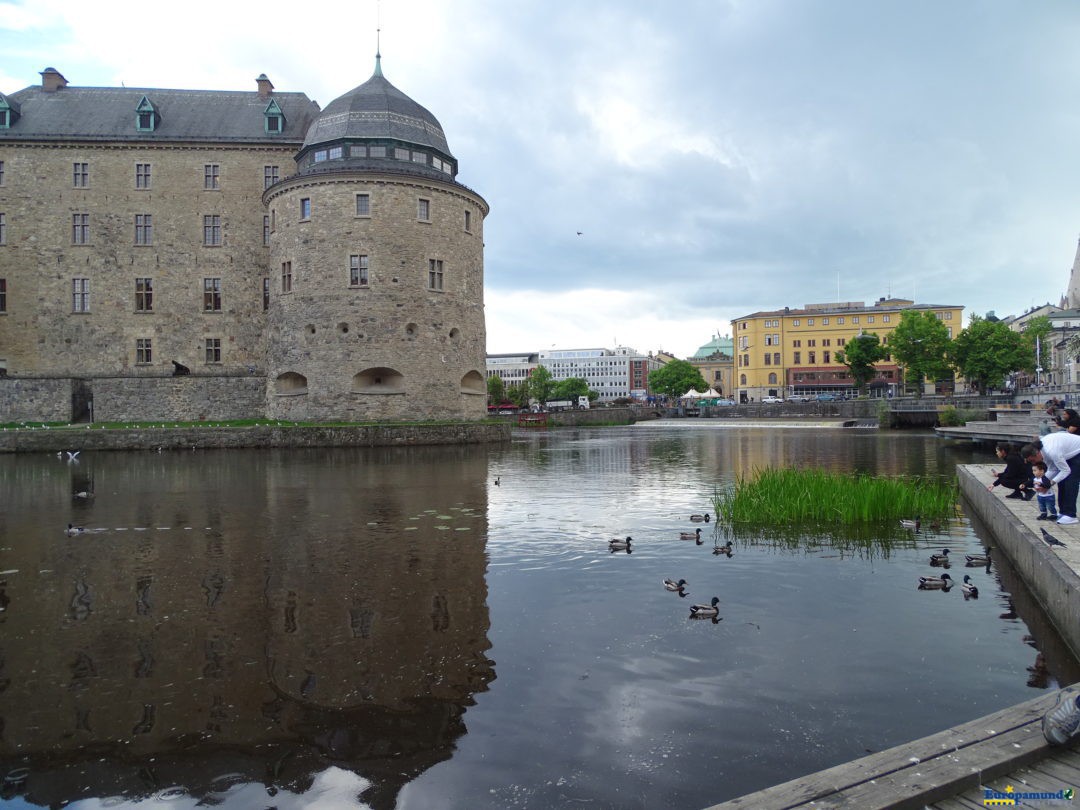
798 398
772 400
828 398
725 402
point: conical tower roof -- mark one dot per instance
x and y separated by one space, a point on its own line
377 110
1072 296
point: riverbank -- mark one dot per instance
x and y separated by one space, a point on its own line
90 437
964 761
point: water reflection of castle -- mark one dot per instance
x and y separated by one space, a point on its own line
333 613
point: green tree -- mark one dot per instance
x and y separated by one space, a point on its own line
571 388
541 384
518 393
920 344
988 350
676 378
859 355
496 389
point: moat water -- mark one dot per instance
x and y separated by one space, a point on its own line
390 628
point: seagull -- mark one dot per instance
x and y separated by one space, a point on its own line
1050 540
73 455
579 233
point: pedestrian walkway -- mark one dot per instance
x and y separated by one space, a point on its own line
998 760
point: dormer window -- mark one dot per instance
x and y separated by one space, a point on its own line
146 117
273 118
9 112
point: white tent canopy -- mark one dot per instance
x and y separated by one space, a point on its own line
712 393
691 394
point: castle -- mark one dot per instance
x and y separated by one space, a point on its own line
196 254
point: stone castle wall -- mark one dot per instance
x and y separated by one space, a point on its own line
36 400
394 347
42 334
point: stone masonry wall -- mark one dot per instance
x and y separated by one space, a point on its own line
36 400
41 334
146 399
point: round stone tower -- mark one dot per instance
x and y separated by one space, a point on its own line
375 297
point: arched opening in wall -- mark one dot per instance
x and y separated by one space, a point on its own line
290 384
473 383
455 335
380 380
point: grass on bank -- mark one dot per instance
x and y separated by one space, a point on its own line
800 499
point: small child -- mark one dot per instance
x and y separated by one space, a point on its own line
1047 510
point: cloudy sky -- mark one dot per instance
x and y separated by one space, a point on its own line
718 157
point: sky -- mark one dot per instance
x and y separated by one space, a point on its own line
657 170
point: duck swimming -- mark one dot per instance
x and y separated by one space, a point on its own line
724 549
974 560
940 559
694 535
672 585
71 531
700 518
710 611
911 524
942 583
620 545
968 588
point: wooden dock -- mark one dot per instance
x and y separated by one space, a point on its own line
954 769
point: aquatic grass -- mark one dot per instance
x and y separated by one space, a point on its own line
790 498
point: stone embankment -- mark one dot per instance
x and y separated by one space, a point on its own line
88 438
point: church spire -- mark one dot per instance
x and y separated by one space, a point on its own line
1072 297
378 54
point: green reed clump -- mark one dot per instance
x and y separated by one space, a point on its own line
795 497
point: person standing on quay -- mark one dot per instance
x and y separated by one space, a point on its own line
1061 453
1016 475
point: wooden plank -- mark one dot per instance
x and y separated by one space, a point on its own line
911 775
1066 771
958 803
1026 779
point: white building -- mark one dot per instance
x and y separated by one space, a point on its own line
616 373
512 368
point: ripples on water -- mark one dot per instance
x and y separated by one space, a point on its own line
390 628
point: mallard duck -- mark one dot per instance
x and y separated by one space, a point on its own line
710 611
700 518
942 583
974 560
672 585
968 588
940 559
724 549
497 479
620 545
905 523
71 531
694 535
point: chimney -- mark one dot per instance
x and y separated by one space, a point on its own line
52 80
266 87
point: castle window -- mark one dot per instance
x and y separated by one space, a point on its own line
211 295
266 293
80 229
80 175
144 295
213 350
212 230
286 277
358 271
1 172
419 157
401 154
3 295
144 229
423 210
363 205
146 118
266 229
468 222
273 119
356 150
212 176
377 151
305 208
271 174
336 153
143 351
435 274
142 175
80 295
3 229
320 156
5 119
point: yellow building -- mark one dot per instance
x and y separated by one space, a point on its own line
792 352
